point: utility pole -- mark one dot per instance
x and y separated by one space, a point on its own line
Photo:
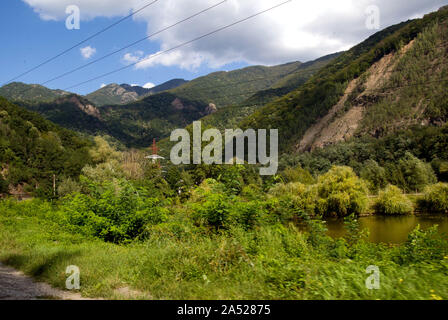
54 186
155 157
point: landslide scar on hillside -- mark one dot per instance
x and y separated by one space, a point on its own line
333 127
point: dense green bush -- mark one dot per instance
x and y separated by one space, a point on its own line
416 173
214 211
341 192
374 174
3 185
297 175
392 201
114 212
291 201
436 198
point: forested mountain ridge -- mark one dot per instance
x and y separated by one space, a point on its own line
121 94
230 116
228 88
136 123
371 89
29 93
33 149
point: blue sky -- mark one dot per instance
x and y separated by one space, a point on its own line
35 30
29 40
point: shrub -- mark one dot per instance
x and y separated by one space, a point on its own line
68 186
214 211
297 175
247 214
292 200
417 173
341 192
112 214
392 201
436 198
3 185
374 174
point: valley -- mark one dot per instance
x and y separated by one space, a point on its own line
360 179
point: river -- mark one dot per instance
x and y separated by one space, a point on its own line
390 229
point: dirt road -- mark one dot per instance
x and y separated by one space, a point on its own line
14 285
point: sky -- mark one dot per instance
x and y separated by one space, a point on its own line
300 30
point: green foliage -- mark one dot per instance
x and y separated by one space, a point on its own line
214 211
392 201
114 213
423 246
436 198
354 232
414 174
20 92
373 173
297 175
4 188
67 187
342 193
33 149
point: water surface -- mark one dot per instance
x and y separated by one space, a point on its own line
390 229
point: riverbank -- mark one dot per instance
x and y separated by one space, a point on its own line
269 262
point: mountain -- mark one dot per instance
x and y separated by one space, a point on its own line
121 94
72 112
172 84
33 149
394 80
29 93
228 88
230 116
155 116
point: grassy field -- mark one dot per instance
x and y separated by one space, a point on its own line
271 262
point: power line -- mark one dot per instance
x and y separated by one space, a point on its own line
307 70
133 43
349 92
82 42
178 46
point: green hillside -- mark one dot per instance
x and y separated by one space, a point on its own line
33 93
138 123
33 149
228 88
231 116
371 87
121 94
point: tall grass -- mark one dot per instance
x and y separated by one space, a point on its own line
269 262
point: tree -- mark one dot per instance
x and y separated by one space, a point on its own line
374 174
297 175
417 174
3 185
392 201
342 193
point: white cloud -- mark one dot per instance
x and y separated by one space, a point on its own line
130 58
300 30
103 85
87 52
149 85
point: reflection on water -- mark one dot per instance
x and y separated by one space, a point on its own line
390 229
